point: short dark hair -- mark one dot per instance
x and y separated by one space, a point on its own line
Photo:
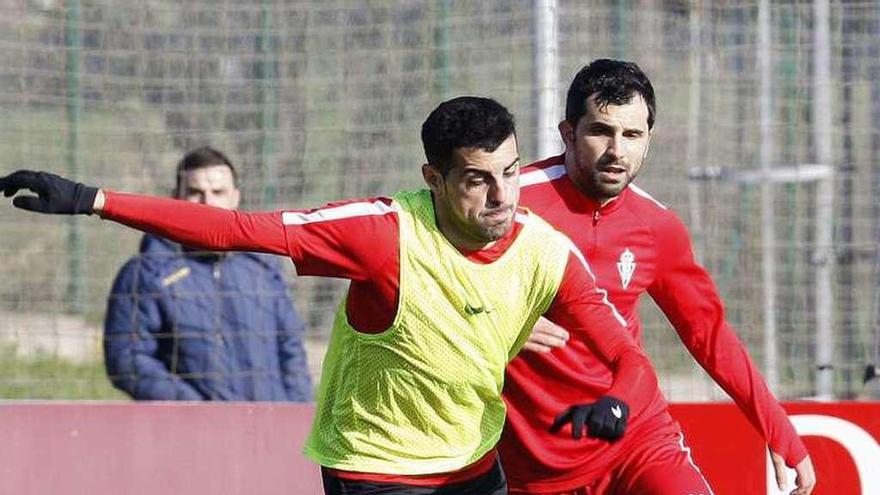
205 156
464 122
613 82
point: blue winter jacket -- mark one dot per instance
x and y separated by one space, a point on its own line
190 326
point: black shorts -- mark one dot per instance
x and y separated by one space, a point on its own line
490 483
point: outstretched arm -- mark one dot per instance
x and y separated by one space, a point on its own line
320 241
689 298
192 224
197 225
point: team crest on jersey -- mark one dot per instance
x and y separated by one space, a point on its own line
626 266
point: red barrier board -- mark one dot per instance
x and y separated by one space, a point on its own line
841 437
150 448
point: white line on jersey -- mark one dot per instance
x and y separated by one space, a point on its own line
641 192
541 175
554 172
577 252
687 451
350 210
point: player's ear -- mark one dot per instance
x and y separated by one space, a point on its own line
566 131
648 143
433 178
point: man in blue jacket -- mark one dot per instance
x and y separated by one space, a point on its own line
187 325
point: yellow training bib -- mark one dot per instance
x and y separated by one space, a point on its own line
424 396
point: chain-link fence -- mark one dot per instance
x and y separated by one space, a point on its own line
316 101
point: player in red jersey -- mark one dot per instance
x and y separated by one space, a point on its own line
472 176
635 245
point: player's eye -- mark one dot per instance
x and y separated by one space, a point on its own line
598 130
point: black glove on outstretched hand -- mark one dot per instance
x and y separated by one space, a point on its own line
54 194
605 419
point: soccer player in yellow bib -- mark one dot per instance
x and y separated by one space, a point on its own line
446 284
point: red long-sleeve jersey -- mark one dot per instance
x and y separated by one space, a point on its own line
359 240
635 245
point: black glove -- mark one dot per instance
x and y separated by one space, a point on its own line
54 194
605 419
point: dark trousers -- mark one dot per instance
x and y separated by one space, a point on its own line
490 483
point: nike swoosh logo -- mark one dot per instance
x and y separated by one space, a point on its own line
616 412
475 310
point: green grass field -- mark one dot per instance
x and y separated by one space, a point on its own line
46 377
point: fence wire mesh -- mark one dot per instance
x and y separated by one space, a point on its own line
316 101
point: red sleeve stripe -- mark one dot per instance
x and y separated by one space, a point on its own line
577 253
541 175
349 210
